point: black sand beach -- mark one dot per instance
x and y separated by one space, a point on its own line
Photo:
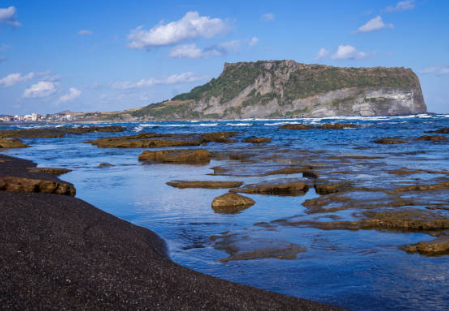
61 253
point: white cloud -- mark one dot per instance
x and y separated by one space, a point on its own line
40 90
348 52
186 51
9 16
192 51
85 32
374 24
322 53
401 6
15 78
267 17
173 79
435 70
73 94
191 26
253 41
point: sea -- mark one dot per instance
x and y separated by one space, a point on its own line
356 269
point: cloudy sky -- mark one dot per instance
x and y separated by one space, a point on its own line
97 55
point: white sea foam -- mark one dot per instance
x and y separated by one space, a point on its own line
280 123
238 124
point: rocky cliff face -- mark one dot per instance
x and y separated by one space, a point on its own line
272 89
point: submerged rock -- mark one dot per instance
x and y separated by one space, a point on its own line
183 156
286 171
21 184
231 203
245 247
272 188
431 138
435 247
101 165
415 220
441 131
11 143
389 141
204 184
49 170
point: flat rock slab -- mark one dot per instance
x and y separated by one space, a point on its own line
50 170
204 184
269 188
182 156
156 140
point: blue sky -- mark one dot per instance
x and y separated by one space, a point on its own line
113 55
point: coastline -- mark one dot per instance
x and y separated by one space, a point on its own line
59 252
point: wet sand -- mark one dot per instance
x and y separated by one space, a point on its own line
59 252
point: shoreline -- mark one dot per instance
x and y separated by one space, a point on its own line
59 252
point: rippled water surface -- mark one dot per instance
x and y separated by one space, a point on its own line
359 270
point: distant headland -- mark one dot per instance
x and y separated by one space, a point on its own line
280 89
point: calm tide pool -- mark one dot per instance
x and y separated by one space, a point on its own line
363 269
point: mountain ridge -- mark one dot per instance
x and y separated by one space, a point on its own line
276 89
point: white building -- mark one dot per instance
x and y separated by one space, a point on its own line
34 116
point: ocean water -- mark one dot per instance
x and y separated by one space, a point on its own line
356 269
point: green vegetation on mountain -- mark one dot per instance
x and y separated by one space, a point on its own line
255 88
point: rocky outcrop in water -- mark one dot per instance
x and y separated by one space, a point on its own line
182 184
17 184
11 143
273 89
184 156
231 203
